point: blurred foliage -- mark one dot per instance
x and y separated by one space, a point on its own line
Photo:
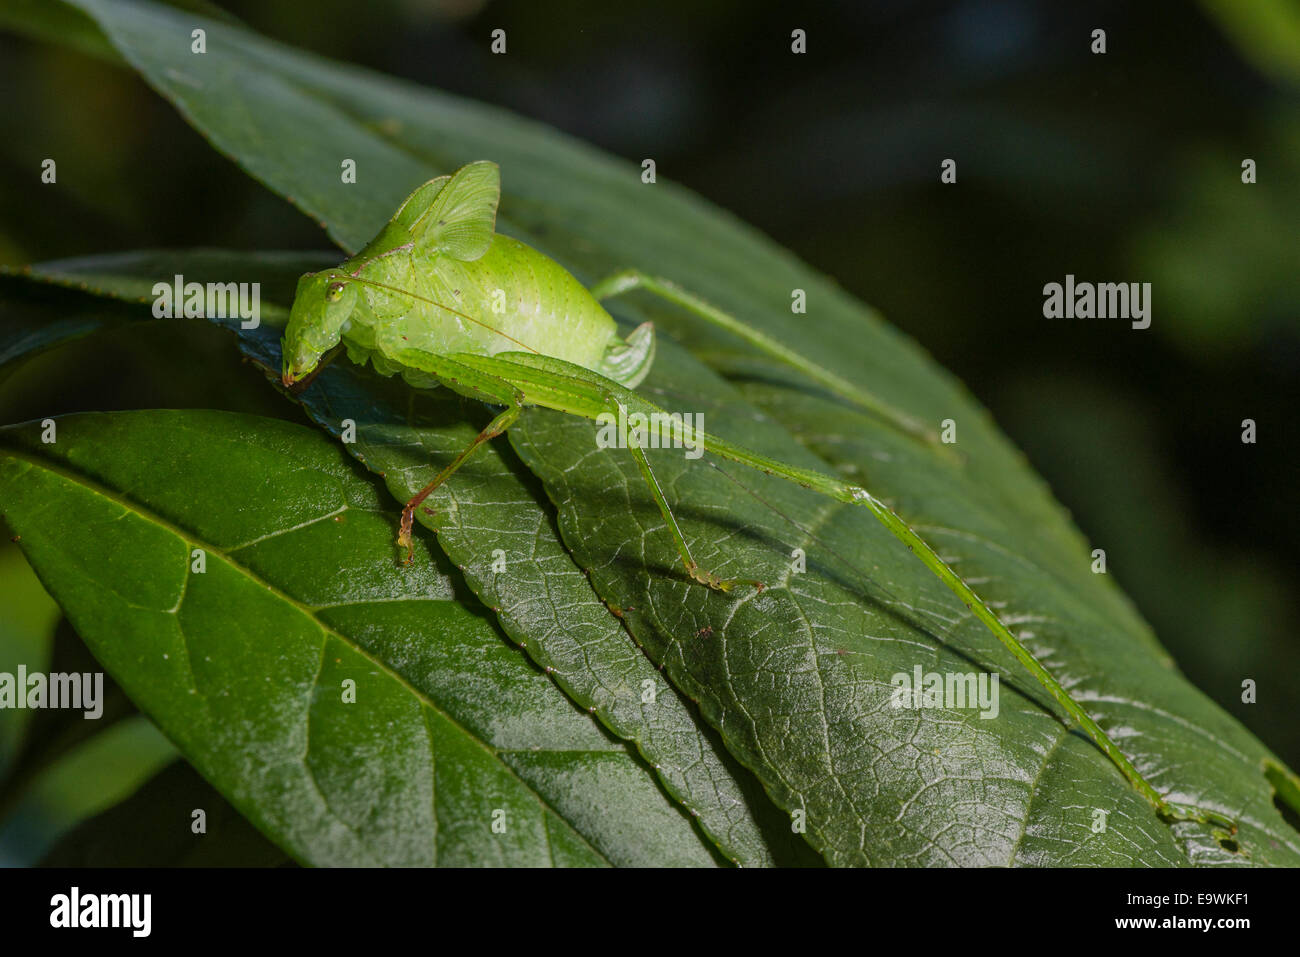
1267 32
1126 168
64 768
26 632
1220 255
144 830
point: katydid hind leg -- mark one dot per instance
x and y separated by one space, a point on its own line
856 495
554 384
853 494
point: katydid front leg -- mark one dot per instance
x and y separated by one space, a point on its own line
296 386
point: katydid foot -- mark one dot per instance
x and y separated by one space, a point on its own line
404 539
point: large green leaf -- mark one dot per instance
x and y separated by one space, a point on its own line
797 679
247 665
571 634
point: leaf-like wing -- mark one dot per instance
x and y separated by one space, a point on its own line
461 216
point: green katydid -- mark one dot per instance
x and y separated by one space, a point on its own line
441 298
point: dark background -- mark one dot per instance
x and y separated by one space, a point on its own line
1122 167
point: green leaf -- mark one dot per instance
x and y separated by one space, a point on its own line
247 665
571 633
798 680
495 526
60 23
131 277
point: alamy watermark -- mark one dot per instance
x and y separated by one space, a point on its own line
214 300
657 430
955 690
1102 300
133 912
81 691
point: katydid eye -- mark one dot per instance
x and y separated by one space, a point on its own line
334 292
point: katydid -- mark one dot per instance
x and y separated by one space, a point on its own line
439 297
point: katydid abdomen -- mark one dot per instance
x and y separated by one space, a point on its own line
525 296
511 299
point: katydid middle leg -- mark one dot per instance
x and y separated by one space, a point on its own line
467 381
494 428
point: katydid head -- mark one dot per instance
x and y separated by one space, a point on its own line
321 309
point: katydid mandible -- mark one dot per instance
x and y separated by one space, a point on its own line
439 297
